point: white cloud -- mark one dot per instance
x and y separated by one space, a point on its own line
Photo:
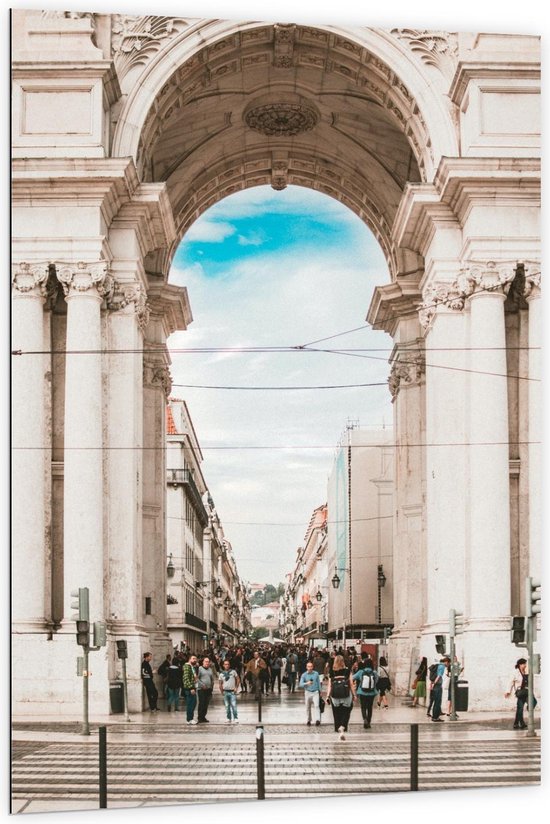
209 231
253 239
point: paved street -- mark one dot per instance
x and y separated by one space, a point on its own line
54 767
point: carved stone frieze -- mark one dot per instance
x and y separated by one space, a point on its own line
406 372
434 48
82 277
282 119
30 277
136 38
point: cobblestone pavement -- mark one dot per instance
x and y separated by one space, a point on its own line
56 768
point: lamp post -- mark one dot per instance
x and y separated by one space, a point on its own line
381 583
170 568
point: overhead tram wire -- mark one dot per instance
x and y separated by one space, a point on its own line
277 447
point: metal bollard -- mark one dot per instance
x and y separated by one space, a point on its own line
103 768
414 757
260 764
260 707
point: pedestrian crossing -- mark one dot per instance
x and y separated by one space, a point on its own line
159 771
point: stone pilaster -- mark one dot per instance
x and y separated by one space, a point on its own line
29 455
533 297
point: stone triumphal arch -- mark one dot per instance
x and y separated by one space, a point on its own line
125 129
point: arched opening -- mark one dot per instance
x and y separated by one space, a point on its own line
278 357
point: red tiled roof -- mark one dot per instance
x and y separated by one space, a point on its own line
170 423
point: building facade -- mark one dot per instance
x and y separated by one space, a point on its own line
127 132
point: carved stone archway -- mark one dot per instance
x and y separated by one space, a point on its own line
128 133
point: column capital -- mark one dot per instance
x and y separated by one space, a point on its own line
440 293
132 295
81 277
30 278
406 372
157 376
476 277
532 287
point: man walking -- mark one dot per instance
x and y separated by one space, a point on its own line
311 684
190 678
437 689
148 683
276 665
229 684
291 670
254 669
205 686
173 685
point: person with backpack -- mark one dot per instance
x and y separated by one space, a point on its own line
365 685
340 695
432 675
437 688
384 683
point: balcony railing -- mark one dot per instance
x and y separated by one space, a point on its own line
184 477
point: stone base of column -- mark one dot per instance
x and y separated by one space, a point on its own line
45 683
488 658
403 653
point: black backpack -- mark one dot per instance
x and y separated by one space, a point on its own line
340 687
433 672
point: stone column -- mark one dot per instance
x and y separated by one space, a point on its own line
488 565
29 453
489 543
83 526
533 297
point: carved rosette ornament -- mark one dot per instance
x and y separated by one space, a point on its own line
30 277
405 373
282 119
83 277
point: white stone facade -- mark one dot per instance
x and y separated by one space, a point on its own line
125 129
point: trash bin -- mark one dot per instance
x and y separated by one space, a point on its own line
461 696
116 691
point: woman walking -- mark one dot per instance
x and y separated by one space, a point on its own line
384 683
420 682
520 688
341 695
364 681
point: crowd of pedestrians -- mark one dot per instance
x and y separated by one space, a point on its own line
344 677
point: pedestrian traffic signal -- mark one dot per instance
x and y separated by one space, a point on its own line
122 649
532 596
456 623
440 643
518 630
100 634
81 604
388 631
83 633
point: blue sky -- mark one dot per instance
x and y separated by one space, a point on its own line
266 268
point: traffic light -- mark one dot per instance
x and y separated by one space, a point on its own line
440 643
100 634
388 631
81 604
456 623
517 630
121 649
532 606
83 633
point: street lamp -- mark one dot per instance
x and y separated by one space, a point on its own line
218 592
335 580
170 569
319 596
381 583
